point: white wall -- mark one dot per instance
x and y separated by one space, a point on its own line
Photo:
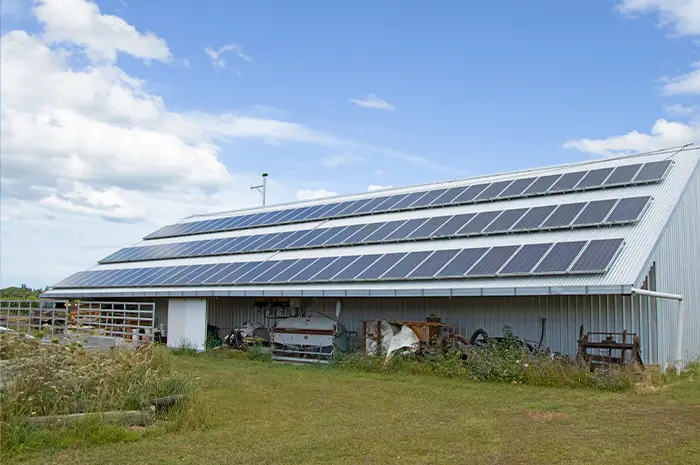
187 322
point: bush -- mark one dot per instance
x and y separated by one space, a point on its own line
504 361
52 379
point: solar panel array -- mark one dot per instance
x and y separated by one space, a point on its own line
584 214
532 186
594 256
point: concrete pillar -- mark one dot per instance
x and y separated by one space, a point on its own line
187 323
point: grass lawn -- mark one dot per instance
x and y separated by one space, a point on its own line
267 413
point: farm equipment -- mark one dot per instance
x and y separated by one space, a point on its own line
312 338
384 336
605 348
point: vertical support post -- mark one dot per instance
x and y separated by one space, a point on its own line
364 338
379 337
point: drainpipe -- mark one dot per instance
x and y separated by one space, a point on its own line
681 319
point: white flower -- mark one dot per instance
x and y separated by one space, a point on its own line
526 365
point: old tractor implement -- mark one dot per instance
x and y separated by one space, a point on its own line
606 348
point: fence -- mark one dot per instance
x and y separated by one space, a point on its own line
132 321
28 316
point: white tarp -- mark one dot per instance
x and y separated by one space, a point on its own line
405 338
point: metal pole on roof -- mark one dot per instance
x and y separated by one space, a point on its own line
262 188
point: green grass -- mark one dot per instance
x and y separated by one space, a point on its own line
266 413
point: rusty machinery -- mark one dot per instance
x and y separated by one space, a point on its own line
613 345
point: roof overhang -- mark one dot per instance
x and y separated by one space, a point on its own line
347 292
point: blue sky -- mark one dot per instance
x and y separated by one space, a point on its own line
463 88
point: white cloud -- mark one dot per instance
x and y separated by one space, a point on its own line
335 160
90 156
79 22
681 15
311 194
219 61
374 102
663 134
688 83
678 109
377 187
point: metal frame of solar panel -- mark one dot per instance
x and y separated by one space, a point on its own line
595 213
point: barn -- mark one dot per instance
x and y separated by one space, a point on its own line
609 244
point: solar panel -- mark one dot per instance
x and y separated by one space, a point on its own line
428 198
193 275
232 276
563 215
629 209
304 240
597 257
432 264
390 202
594 178
274 243
338 208
525 259
622 175
386 203
492 261
407 201
403 231
176 275
256 271
323 236
471 193
156 277
464 260
371 205
334 268
381 266
357 267
406 265
272 271
383 231
310 213
493 190
307 273
654 171
351 210
478 223
542 184
505 220
343 235
363 232
225 271
293 270
560 257
449 195
265 244
292 238
595 212
516 188
433 225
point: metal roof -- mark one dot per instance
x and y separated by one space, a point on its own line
625 272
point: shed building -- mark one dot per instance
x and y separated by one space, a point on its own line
570 244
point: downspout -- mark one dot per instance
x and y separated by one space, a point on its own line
681 319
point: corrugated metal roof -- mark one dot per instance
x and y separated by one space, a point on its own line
639 238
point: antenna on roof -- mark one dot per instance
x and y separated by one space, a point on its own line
262 188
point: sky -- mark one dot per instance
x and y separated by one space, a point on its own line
120 116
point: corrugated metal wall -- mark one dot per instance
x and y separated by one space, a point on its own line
564 315
677 259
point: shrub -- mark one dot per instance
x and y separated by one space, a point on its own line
52 379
